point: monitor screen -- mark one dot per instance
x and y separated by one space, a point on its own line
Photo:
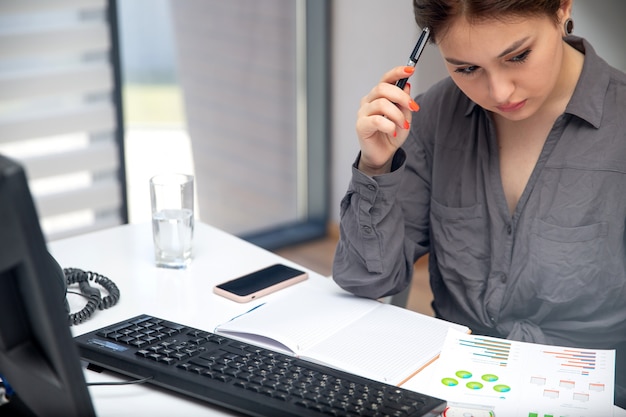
38 357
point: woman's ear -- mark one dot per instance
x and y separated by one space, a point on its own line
565 11
564 15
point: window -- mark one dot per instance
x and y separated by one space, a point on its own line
59 110
254 82
245 81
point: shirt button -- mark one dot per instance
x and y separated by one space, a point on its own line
492 319
503 278
371 187
367 230
509 229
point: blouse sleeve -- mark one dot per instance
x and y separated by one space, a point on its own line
383 226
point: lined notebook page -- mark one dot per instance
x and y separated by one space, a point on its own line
303 321
362 336
388 344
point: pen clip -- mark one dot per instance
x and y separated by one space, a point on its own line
415 54
419 46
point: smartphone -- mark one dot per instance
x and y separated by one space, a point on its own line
259 283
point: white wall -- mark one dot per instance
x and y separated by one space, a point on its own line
601 22
372 36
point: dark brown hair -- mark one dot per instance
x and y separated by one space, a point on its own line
437 14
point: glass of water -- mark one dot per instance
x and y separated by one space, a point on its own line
171 197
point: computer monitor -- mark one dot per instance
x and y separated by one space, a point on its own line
38 356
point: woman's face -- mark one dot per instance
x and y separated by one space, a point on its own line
511 67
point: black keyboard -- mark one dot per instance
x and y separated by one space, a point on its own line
241 376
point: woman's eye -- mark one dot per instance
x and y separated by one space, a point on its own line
521 57
466 70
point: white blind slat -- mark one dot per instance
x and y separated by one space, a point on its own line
38 6
83 37
74 80
95 158
94 118
103 195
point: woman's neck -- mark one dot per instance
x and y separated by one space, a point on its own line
571 69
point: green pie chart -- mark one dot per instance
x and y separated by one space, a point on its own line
474 385
450 382
464 374
502 388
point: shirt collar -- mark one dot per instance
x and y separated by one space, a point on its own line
587 102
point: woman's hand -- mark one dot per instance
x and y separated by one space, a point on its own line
383 121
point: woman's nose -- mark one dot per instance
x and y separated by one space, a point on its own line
500 87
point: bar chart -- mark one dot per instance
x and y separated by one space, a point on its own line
487 350
582 361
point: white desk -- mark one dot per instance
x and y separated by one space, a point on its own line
125 255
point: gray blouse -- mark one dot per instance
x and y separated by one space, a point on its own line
554 272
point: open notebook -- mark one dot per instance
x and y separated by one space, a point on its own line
362 336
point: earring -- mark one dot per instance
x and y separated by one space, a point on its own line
568 26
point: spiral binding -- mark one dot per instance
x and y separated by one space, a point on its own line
94 300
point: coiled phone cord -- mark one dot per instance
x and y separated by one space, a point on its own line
94 299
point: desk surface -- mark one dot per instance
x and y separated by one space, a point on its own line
125 255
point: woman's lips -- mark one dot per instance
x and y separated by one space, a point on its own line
509 107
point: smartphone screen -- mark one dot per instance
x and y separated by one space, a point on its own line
259 283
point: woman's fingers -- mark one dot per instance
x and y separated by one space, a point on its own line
395 74
384 119
384 114
396 106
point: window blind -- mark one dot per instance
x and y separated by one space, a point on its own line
60 110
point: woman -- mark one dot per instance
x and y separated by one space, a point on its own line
512 176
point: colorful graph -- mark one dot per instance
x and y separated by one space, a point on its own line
498 373
501 388
574 359
488 349
473 384
521 379
450 382
463 374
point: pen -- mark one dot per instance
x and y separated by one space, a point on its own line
415 55
242 314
